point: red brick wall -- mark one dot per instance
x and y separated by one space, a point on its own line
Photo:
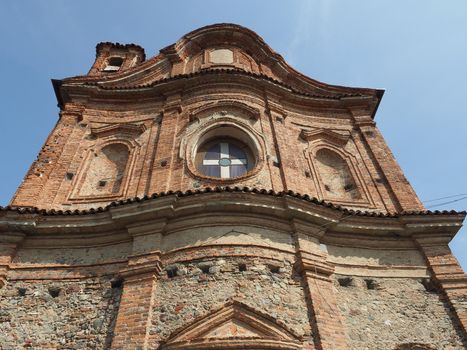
157 165
134 314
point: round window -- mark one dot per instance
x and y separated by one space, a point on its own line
224 158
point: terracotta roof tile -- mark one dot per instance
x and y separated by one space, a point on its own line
223 71
305 197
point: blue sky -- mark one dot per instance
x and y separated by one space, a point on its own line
416 50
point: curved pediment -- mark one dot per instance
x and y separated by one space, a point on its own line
235 325
132 130
211 49
333 137
222 106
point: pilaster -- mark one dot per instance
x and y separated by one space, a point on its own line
139 282
9 242
165 154
447 273
316 272
276 117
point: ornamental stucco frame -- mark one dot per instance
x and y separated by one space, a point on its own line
327 140
208 118
133 150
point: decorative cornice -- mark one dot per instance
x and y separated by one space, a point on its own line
225 105
286 194
317 267
221 34
127 129
329 135
219 71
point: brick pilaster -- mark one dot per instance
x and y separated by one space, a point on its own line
135 310
448 274
161 176
140 280
329 330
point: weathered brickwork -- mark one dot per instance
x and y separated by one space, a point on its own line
58 315
296 132
382 313
134 314
212 198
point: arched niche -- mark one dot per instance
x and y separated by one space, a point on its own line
106 171
337 181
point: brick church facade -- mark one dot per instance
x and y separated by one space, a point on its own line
212 197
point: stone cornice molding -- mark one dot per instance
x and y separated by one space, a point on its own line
168 208
147 228
11 238
88 92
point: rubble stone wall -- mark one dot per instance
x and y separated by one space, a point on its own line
384 313
57 314
192 290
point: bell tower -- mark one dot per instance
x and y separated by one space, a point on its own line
212 197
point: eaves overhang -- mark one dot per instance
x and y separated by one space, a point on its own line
229 201
67 90
219 34
57 83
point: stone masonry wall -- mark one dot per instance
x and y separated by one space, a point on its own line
190 293
58 315
383 313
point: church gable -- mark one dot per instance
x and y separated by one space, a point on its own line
214 47
235 323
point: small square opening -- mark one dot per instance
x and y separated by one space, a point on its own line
371 284
274 268
171 271
345 281
54 292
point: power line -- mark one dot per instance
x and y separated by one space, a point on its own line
453 196
449 202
